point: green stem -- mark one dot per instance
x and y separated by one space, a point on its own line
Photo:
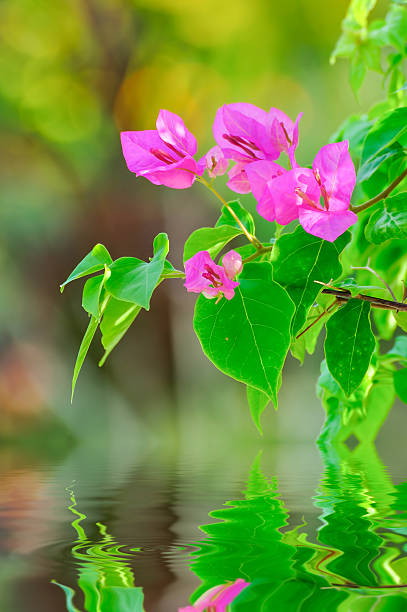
248 235
381 196
260 251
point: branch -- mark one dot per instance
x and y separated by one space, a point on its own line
343 295
381 196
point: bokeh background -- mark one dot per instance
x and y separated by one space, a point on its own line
73 73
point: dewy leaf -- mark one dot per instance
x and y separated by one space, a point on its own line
242 214
248 337
400 384
349 344
389 221
91 294
384 133
298 260
257 403
117 318
211 239
93 262
134 280
83 350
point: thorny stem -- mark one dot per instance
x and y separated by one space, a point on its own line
381 196
327 309
248 235
369 269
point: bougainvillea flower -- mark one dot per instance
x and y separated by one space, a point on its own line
232 263
214 162
238 180
218 598
284 133
164 156
247 134
203 275
319 198
260 176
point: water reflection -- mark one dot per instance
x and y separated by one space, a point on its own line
354 560
105 578
277 531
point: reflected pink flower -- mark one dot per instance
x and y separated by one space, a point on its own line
164 156
203 275
248 134
319 198
218 598
214 162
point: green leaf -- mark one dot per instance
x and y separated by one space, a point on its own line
399 350
380 162
401 319
357 73
117 318
134 280
298 260
308 340
384 133
243 215
93 262
211 239
349 344
390 221
91 294
83 350
400 384
248 337
257 403
393 30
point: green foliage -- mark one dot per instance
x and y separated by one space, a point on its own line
91 294
83 350
388 221
211 239
299 260
93 262
257 403
117 318
246 218
362 42
349 344
400 384
134 280
248 337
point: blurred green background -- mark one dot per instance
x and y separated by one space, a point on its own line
73 73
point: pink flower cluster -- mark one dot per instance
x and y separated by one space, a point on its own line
203 275
254 139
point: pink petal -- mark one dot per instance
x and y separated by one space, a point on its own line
172 130
232 263
337 172
238 180
194 281
291 149
137 150
180 175
260 174
248 122
214 162
284 199
218 597
326 224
